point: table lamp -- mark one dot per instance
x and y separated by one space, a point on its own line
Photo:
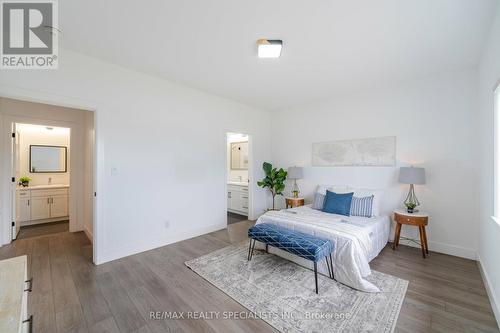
295 173
412 176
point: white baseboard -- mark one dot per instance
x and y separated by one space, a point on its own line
452 250
89 234
150 244
495 303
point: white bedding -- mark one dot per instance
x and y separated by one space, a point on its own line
357 241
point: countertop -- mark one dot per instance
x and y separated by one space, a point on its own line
237 183
43 187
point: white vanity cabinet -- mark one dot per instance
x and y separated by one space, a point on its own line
40 208
23 205
59 206
42 204
237 199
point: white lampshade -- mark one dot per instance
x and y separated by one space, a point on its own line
411 175
295 172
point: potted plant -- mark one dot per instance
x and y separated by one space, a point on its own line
24 181
274 180
410 207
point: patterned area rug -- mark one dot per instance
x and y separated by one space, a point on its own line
282 293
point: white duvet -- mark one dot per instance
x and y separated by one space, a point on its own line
352 243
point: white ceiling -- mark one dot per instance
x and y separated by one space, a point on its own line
330 47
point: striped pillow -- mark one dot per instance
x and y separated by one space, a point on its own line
319 201
362 206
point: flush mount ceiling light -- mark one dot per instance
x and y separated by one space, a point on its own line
268 48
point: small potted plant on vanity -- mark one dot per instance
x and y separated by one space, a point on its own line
24 181
274 180
410 207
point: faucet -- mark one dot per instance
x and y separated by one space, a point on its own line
50 180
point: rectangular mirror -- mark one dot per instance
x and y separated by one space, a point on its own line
48 159
239 155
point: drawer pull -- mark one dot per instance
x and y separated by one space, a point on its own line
245 207
408 220
245 197
30 321
30 285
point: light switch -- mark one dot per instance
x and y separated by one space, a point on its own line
114 171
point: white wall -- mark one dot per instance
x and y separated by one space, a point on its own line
433 121
39 135
489 249
151 184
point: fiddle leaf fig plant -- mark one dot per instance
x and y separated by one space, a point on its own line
274 180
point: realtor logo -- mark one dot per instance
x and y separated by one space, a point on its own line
28 34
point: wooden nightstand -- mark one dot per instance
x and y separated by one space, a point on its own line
419 219
294 202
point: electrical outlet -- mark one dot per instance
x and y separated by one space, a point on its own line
167 224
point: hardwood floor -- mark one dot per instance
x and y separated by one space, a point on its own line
70 294
43 229
235 218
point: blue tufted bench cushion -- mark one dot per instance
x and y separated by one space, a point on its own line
303 245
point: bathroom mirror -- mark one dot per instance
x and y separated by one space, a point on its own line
239 155
48 159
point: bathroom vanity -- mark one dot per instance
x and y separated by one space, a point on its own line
42 204
237 198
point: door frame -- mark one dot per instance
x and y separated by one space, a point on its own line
14 149
26 95
9 121
250 172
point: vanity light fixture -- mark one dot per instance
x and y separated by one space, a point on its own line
267 48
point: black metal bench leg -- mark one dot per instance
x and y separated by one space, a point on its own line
250 249
251 252
331 264
316 275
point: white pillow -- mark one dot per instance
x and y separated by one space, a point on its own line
377 197
332 188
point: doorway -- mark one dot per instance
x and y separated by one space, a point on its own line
60 189
40 195
238 177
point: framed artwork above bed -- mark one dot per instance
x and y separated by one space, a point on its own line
358 152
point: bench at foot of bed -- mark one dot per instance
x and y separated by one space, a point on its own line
303 245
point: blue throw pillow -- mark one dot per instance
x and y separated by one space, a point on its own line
336 203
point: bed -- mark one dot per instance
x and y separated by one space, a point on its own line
358 240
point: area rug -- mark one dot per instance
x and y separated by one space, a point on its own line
282 293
